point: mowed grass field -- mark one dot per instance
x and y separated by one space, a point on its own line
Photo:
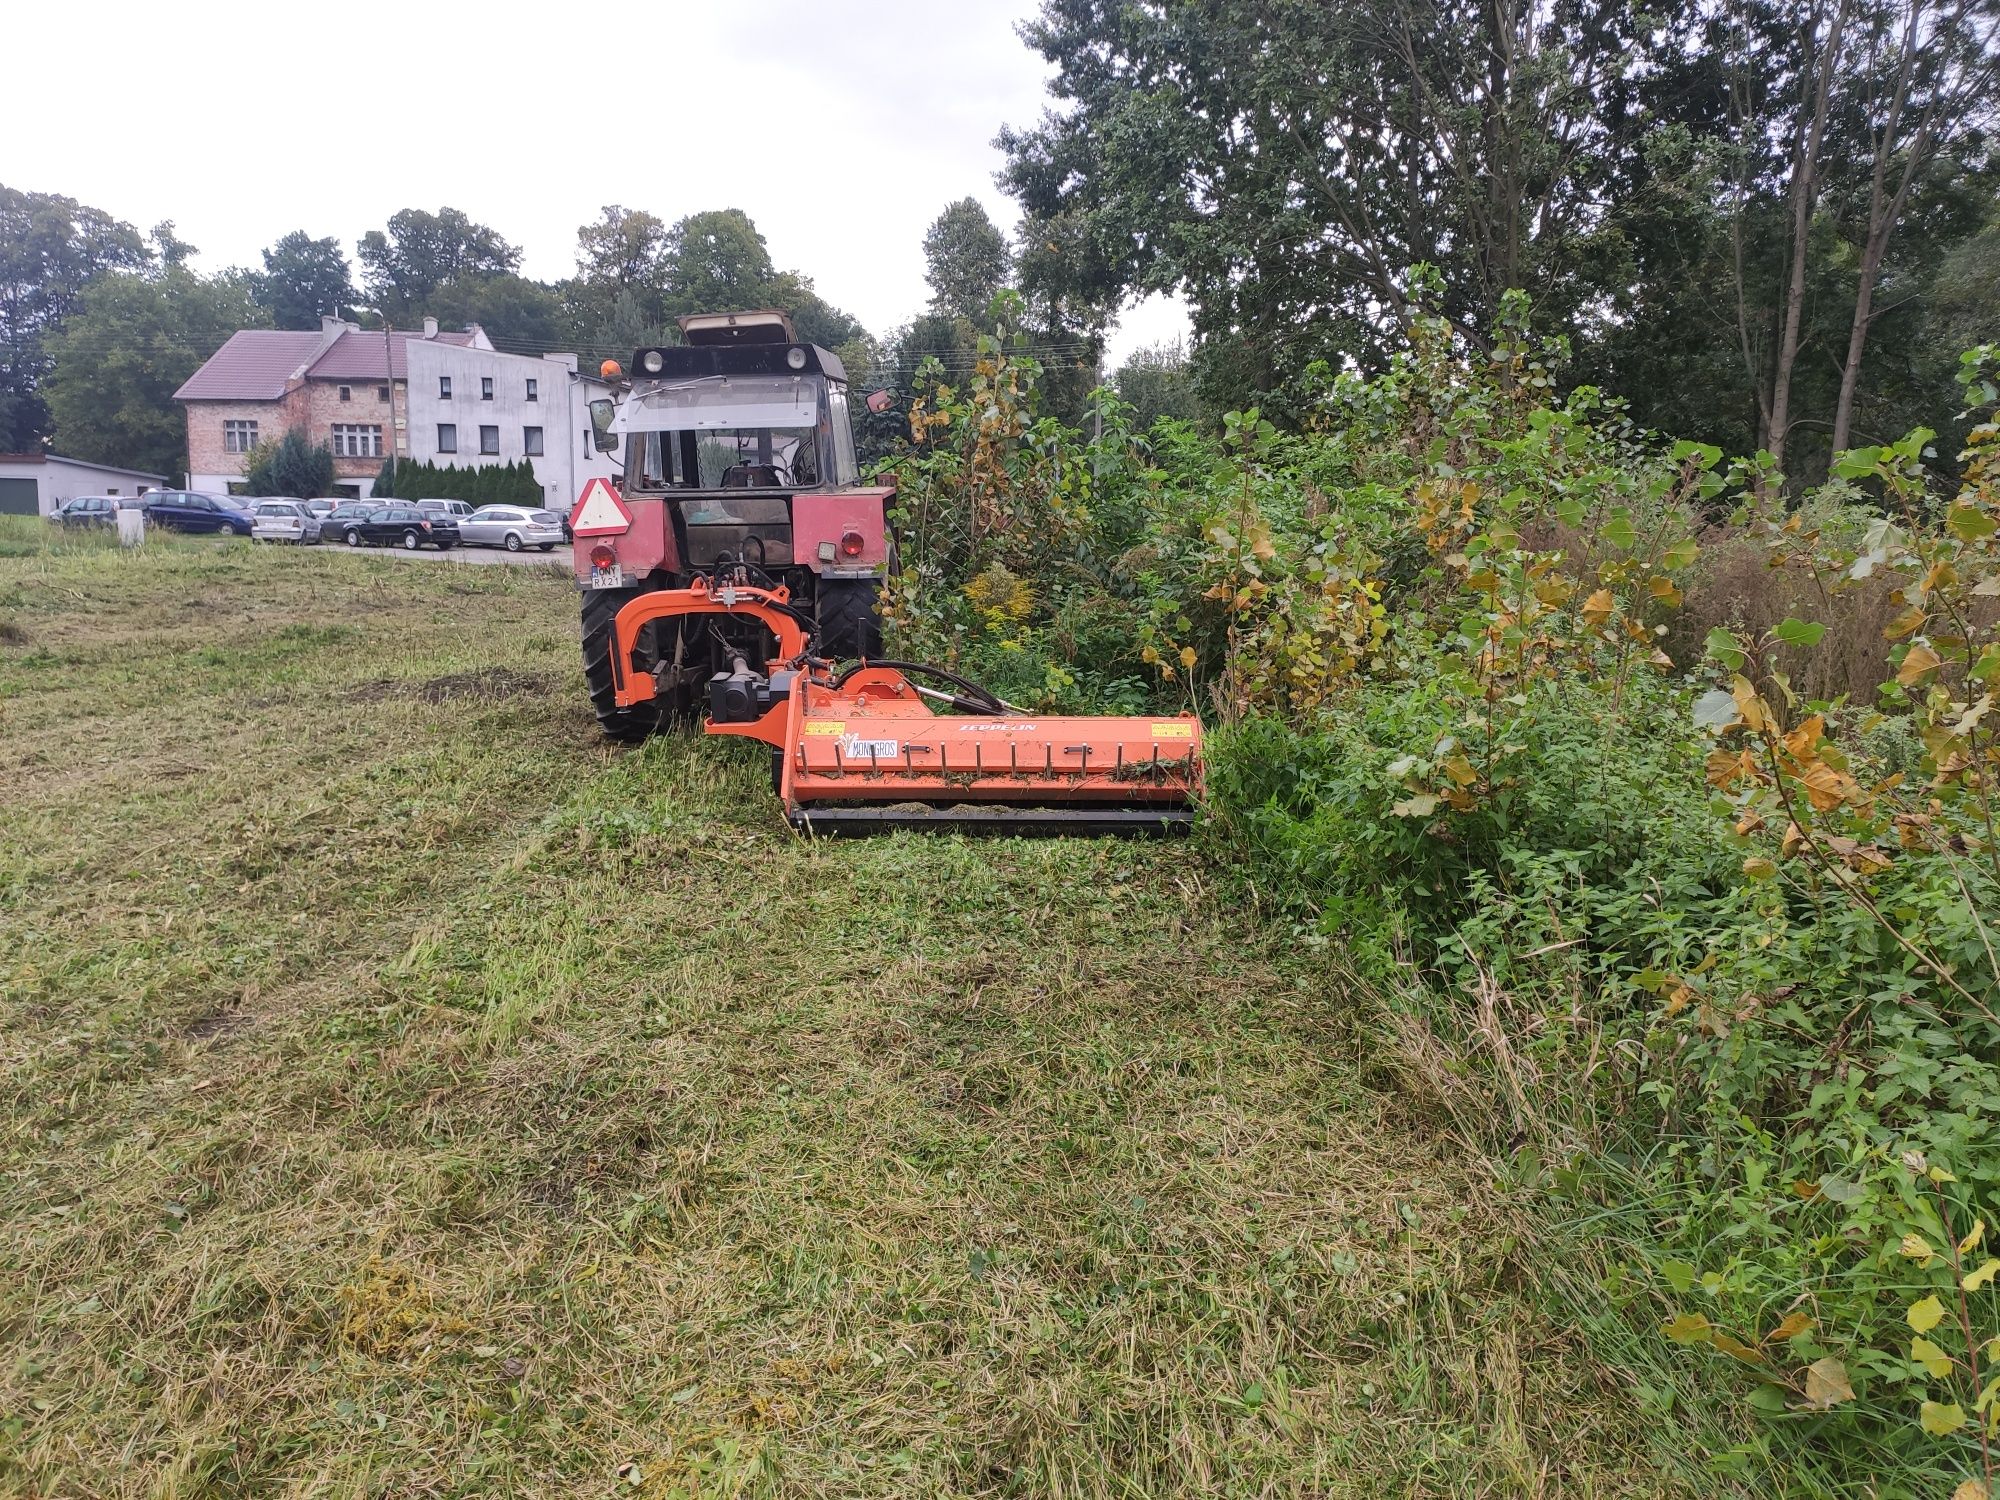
406 1093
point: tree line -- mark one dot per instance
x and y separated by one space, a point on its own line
100 323
1770 223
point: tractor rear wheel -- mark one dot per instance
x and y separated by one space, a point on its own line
849 624
628 725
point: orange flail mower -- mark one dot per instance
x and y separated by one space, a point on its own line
887 744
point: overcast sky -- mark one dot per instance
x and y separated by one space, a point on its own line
840 127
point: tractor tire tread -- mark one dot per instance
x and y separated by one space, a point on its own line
627 725
850 623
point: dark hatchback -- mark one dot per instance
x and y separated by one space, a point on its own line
184 510
395 525
94 510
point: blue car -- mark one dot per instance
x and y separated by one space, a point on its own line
185 510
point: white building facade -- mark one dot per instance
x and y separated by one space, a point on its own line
469 407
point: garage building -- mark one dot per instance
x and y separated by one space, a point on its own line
34 484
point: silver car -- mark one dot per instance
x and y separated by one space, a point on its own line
512 527
282 521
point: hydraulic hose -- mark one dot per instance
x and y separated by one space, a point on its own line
977 696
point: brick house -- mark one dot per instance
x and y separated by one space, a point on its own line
344 387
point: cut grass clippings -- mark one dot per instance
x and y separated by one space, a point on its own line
408 1093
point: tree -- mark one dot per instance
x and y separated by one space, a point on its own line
1157 382
304 279
119 358
1283 162
716 262
293 465
966 259
520 315
51 249
618 296
623 248
422 251
817 320
1923 70
1776 290
170 252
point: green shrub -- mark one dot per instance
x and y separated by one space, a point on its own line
1714 936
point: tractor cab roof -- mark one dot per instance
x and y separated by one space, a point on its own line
681 362
764 325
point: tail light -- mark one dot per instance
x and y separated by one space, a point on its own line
851 543
425 524
602 556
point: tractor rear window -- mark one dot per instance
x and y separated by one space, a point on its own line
745 432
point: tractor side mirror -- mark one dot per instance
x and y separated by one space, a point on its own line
879 401
602 437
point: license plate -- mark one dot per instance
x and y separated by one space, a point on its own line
612 577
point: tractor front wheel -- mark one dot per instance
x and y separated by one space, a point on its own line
628 725
849 624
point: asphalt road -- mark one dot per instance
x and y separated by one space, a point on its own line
527 558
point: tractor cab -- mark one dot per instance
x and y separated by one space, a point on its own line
727 429
738 461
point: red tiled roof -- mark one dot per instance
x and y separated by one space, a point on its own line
257 363
253 366
361 356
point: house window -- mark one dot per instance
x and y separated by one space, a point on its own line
489 440
239 437
444 387
357 440
347 393
447 437
486 388
381 393
534 390
531 441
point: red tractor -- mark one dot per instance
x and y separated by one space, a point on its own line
736 569
738 462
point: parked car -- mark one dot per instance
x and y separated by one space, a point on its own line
454 511
336 521
321 508
94 510
512 527
282 520
186 510
401 524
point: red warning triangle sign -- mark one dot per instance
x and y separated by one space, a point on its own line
599 511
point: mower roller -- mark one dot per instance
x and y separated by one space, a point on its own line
884 745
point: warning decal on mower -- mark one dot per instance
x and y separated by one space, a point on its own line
826 726
1173 731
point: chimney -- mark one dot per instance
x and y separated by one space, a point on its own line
430 328
331 323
